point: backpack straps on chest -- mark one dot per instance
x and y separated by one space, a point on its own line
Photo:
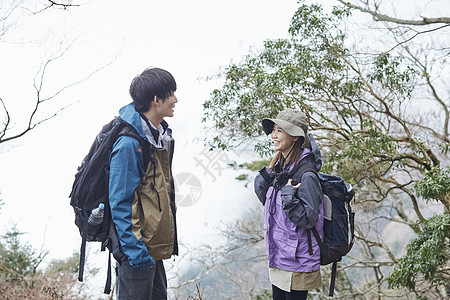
303 167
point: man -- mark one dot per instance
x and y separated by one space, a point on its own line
142 199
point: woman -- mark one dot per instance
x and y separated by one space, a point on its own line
291 210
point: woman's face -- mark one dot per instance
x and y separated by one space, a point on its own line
282 141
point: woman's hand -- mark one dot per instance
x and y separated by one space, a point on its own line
290 183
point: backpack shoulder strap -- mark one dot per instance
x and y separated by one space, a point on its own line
128 130
303 167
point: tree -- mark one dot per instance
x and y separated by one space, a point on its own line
18 260
379 111
426 256
20 277
227 267
8 10
373 8
36 112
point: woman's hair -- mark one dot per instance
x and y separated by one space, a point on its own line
150 83
293 157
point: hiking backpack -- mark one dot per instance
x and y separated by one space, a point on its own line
90 188
338 227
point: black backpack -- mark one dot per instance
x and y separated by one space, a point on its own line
90 188
338 227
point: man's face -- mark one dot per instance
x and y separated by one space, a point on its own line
166 108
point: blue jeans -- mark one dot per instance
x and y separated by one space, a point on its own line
141 284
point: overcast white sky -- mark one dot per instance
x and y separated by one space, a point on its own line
191 39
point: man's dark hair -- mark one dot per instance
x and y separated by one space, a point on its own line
150 83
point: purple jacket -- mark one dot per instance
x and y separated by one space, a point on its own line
288 213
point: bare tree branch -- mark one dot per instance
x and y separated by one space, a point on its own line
62 5
445 135
7 121
38 84
416 34
382 17
6 11
57 5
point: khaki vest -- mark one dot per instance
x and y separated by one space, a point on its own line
152 215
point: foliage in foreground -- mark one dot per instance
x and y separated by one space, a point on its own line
427 256
20 277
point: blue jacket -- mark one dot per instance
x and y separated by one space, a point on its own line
131 200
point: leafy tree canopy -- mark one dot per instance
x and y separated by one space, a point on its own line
380 114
